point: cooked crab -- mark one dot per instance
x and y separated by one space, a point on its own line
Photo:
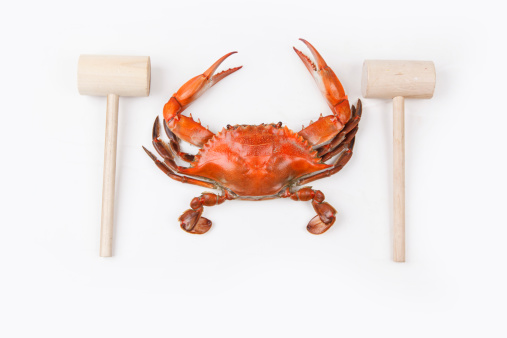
257 162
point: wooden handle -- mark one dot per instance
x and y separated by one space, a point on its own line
399 178
106 230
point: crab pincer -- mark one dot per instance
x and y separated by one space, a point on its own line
185 127
325 128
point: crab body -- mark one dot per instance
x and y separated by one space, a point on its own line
257 162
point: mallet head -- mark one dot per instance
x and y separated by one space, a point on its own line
101 75
385 79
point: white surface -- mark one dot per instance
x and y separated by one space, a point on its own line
258 273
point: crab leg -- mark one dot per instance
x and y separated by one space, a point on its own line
325 212
167 151
163 148
344 153
191 220
345 136
175 145
325 128
184 179
185 127
348 142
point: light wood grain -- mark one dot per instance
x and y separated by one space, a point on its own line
108 183
101 75
399 179
388 79
398 80
112 76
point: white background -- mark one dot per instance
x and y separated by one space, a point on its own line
257 273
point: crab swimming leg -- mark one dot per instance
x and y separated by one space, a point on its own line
191 220
185 127
327 127
325 212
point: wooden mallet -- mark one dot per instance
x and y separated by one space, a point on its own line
398 80
112 76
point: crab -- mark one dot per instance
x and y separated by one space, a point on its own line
257 162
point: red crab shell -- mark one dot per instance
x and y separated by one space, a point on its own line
255 160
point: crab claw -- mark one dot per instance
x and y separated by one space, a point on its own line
328 83
195 87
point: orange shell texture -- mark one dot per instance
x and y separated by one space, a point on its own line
255 160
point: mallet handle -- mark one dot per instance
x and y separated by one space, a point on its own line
399 178
106 230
